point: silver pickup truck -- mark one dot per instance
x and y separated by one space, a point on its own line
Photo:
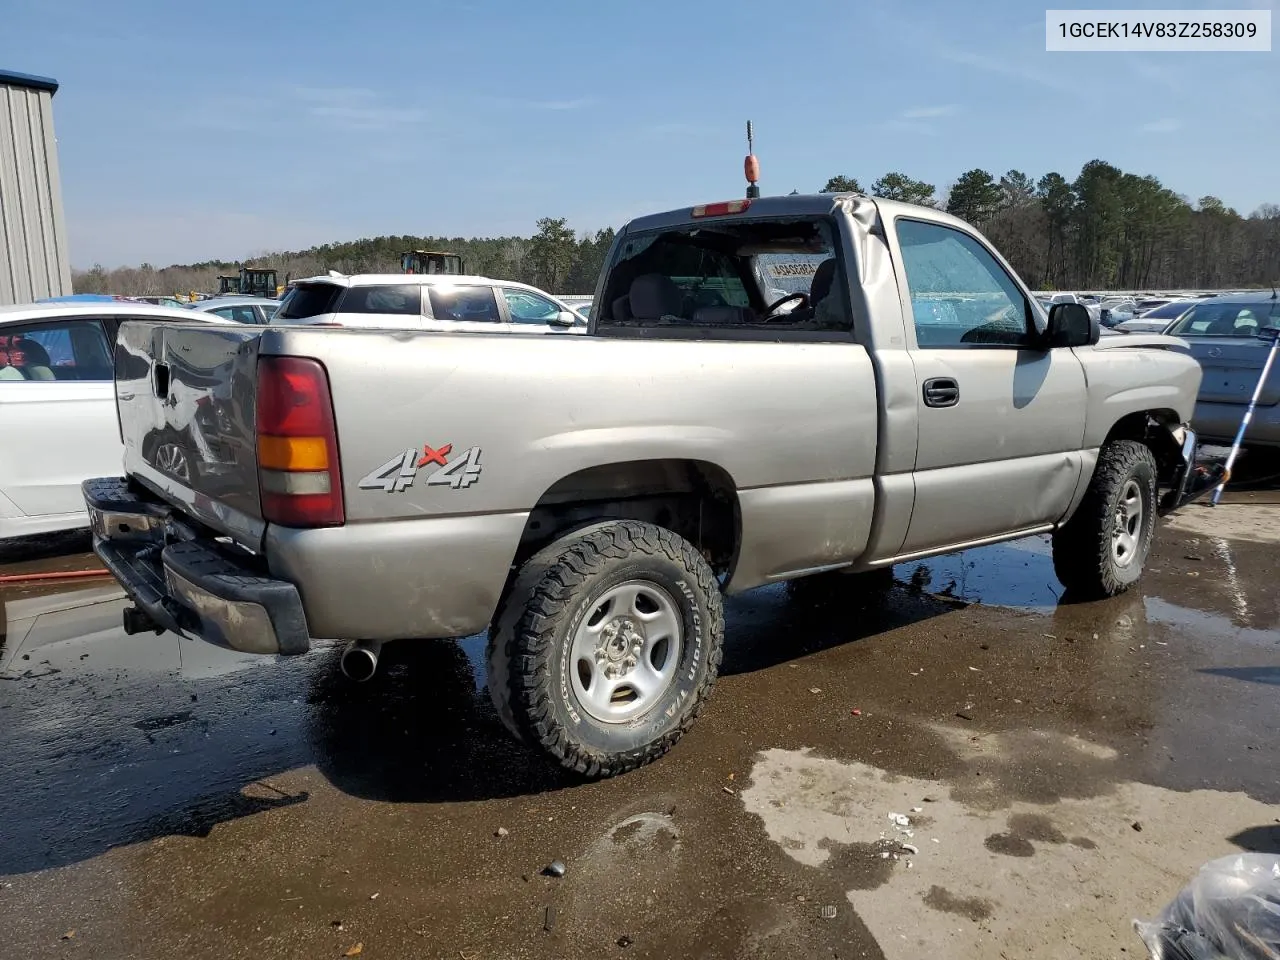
587 500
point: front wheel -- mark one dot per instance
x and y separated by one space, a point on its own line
606 646
1101 550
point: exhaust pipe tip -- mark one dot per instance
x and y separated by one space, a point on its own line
360 660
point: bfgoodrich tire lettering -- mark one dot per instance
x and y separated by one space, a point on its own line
1101 550
531 647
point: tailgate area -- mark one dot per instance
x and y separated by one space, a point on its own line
186 396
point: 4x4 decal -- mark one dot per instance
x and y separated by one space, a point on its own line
399 473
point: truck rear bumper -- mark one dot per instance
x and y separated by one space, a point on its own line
188 585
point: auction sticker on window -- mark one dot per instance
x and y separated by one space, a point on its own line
1156 31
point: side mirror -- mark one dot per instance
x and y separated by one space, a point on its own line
1072 325
565 318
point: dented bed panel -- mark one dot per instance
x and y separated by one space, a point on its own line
185 395
408 578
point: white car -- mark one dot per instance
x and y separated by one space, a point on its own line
441 302
57 407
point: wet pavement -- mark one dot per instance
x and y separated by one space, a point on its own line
1064 768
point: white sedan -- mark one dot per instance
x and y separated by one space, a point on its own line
439 302
57 407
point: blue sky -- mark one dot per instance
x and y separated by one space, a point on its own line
181 141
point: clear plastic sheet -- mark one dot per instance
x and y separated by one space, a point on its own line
1229 911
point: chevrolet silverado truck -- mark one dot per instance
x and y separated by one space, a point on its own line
588 500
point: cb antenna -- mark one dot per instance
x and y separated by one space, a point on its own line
751 167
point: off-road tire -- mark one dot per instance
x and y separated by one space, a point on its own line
533 630
1083 557
865 590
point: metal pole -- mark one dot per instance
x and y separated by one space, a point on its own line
1248 415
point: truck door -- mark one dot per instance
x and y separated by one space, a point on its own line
1001 420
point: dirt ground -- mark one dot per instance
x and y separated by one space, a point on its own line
1062 770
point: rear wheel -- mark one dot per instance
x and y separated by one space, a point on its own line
1102 549
606 646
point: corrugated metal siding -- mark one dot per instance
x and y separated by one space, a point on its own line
33 245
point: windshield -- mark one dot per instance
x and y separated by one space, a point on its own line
1214 319
729 274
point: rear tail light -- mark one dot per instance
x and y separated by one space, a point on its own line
298 474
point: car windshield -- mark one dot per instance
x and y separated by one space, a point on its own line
1227 319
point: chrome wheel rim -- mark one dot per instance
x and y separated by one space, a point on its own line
1126 535
626 651
170 459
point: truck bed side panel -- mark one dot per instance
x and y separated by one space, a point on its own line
796 420
542 408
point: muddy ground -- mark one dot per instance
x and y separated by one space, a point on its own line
1064 768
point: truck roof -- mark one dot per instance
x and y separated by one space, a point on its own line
797 205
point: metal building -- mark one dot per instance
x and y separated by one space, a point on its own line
33 233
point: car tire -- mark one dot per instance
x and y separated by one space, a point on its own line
606 646
1100 552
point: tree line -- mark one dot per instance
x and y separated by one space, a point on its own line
1105 229
554 259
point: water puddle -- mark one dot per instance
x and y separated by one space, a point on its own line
79 630
1208 626
1018 575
